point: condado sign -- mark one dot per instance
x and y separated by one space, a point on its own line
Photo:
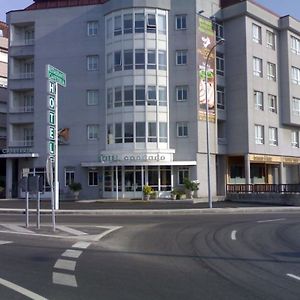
131 157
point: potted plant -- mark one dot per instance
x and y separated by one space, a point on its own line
148 190
190 187
75 187
174 194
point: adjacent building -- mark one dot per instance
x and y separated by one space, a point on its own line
133 111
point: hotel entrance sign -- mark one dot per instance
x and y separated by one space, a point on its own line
56 75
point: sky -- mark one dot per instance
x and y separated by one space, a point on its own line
281 7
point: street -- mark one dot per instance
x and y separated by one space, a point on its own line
211 256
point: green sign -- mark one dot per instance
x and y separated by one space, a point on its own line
56 75
51 148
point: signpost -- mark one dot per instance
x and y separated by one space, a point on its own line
55 78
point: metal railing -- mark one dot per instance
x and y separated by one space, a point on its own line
263 188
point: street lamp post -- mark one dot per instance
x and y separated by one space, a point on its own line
220 41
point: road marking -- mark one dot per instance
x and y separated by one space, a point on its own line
233 235
64 279
98 237
17 228
65 264
21 290
274 220
71 230
72 253
81 245
293 276
5 242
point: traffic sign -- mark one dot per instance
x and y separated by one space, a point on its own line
56 75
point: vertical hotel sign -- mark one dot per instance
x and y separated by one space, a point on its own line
205 43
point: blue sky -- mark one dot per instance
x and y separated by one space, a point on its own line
281 7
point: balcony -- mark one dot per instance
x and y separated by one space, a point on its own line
20 143
22 109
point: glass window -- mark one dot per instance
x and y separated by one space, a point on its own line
118 61
165 178
270 39
118 97
271 71
109 98
272 103
162 60
162 93
152 133
128 132
181 93
92 132
140 95
69 176
162 24
296 106
128 59
140 132
109 62
259 134
129 179
295 139
128 95
93 178
259 100
182 129
180 22
29 36
183 173
219 28
220 64
118 133
139 23
163 132
109 28
273 136
220 97
151 59
128 23
257 67
92 62
295 75
92 28
117 25
151 23
152 95
153 177
92 97
181 57
110 134
108 178
295 45
140 59
256 33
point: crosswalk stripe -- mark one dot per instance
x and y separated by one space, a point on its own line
72 253
64 279
17 228
65 264
81 245
5 242
70 230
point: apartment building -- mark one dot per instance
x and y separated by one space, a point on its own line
134 108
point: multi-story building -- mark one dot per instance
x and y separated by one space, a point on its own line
3 99
132 111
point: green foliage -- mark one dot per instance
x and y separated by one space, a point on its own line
191 185
75 186
148 190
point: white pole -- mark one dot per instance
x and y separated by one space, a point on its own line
117 184
56 150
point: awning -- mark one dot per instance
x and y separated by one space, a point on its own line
20 155
138 163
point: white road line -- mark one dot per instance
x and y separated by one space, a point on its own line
233 235
274 220
17 228
5 242
98 237
65 264
64 279
21 290
72 253
81 245
293 276
70 230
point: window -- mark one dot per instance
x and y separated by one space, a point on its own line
28 136
152 134
92 97
162 24
92 131
181 57
183 173
152 95
180 22
140 95
182 129
69 176
181 93
256 33
220 97
117 61
128 23
109 28
118 97
92 62
295 139
270 39
162 95
118 133
128 132
273 136
128 59
219 28
140 132
295 45
110 134
163 132
93 178
295 75
92 28
272 103
139 22
296 106
220 63
221 132
259 100
29 36
151 23
162 60
259 135
271 71
128 95
109 62
151 59
109 98
257 67
140 59
117 25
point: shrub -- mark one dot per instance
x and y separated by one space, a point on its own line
75 186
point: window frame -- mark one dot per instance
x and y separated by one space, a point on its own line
180 22
182 129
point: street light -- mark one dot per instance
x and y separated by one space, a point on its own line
220 41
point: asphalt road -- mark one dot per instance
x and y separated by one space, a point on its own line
220 256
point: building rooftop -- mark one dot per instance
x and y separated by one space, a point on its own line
44 4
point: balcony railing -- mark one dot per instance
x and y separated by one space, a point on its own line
22 109
263 188
23 76
21 143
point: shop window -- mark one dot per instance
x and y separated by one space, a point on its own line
93 178
140 132
69 176
182 174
